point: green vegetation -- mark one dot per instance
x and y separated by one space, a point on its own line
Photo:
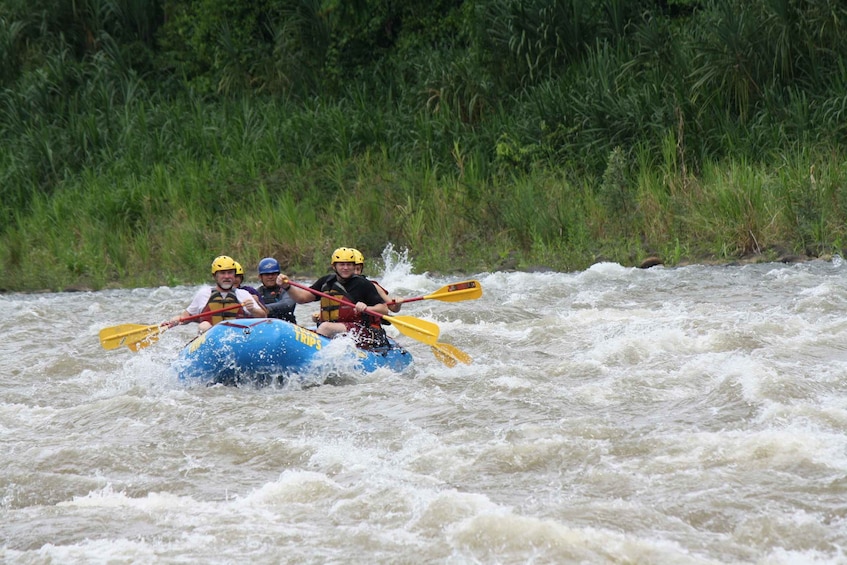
141 138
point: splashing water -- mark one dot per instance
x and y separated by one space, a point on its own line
615 415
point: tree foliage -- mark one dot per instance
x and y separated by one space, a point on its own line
433 81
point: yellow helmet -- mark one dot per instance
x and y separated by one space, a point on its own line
359 258
224 263
239 270
343 255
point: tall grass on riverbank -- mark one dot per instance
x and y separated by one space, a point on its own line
296 183
189 179
488 151
163 225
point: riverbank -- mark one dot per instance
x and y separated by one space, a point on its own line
161 229
647 263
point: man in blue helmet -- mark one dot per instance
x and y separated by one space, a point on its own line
276 299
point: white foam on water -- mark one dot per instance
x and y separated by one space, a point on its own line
690 415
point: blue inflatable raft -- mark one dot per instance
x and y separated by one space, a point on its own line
264 351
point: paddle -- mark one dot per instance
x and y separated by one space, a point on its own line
450 355
456 292
137 336
415 328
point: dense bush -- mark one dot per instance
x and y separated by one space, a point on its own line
470 131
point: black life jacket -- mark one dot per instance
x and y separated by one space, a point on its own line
270 295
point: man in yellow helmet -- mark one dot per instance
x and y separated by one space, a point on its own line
239 283
337 318
224 294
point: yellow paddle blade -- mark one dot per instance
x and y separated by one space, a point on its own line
126 334
450 355
416 328
145 341
456 292
443 357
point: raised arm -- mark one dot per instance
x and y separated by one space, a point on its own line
299 295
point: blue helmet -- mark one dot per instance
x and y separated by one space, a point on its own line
268 265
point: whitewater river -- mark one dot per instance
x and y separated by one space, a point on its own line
692 415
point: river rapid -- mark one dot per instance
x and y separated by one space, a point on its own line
691 415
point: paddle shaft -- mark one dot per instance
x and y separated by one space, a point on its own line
204 314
